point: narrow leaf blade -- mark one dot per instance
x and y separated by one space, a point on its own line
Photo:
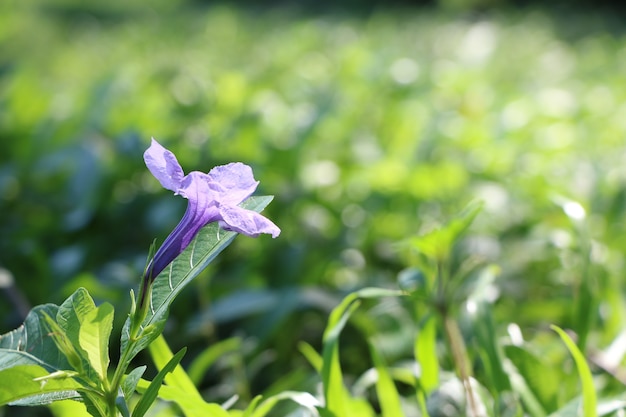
161 355
153 389
586 379
426 355
190 406
386 390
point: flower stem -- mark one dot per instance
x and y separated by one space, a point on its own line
459 354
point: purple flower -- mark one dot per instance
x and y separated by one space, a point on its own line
212 197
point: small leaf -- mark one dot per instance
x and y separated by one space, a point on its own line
311 355
71 317
161 355
151 393
72 313
93 337
130 382
438 243
65 345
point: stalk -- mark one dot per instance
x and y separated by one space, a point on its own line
459 354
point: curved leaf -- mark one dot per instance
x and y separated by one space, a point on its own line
589 393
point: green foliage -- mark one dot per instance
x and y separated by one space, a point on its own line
373 131
63 352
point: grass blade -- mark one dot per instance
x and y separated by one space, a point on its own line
586 379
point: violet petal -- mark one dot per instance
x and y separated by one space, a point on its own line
164 166
247 222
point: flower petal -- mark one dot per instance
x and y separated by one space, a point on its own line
201 210
164 166
232 183
248 222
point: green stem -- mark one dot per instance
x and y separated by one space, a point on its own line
116 381
111 404
459 354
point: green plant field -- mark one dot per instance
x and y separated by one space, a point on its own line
373 132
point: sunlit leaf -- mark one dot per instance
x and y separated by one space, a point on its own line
150 394
161 355
388 395
338 399
34 385
94 334
584 373
426 354
190 405
438 243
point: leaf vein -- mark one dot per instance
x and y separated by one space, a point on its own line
169 277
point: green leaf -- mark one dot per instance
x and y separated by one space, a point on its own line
426 354
536 379
521 387
161 355
95 403
586 379
93 337
438 243
207 244
189 404
180 388
338 400
252 406
151 393
130 381
65 345
72 313
49 338
70 318
34 385
311 355
32 344
490 350
68 408
386 390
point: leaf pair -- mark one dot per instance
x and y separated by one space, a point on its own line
57 352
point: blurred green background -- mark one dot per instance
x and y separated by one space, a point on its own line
369 124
